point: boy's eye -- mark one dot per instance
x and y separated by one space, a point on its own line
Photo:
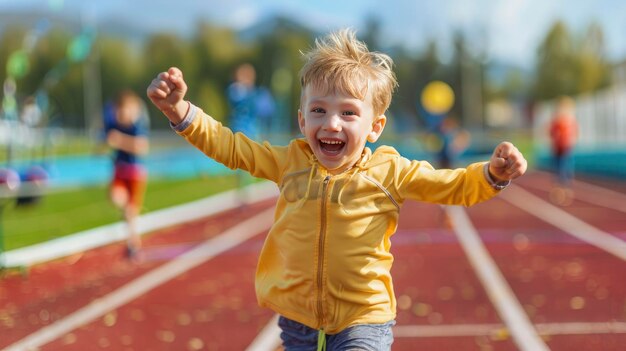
349 113
317 110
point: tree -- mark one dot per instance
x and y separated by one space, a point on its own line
217 51
161 52
414 72
592 66
121 67
52 72
279 50
10 41
556 67
567 66
372 33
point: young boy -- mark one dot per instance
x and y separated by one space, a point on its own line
126 134
325 265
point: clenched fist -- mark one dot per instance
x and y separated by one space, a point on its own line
507 162
167 92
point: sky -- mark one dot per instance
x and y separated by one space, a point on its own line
507 30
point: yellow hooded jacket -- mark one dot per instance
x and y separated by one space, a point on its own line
326 261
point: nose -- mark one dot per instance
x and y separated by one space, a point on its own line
332 122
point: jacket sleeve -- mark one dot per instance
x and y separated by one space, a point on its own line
234 150
418 180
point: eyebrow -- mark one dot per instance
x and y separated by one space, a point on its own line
316 101
343 102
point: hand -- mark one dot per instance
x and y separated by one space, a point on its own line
507 162
114 138
167 92
137 145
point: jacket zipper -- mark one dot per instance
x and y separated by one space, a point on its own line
320 262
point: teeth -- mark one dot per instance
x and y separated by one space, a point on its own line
333 142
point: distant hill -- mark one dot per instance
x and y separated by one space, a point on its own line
274 24
71 22
134 31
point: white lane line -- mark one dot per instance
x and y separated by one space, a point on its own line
198 255
509 308
104 235
544 329
590 193
553 215
269 338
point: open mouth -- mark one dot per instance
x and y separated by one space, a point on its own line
331 146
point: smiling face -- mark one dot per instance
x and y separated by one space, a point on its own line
337 126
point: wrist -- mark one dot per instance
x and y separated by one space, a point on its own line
177 112
187 119
494 177
494 181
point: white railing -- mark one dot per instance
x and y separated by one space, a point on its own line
601 119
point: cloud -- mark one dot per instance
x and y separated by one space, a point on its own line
244 16
516 27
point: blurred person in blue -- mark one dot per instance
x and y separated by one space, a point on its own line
325 265
454 141
126 128
250 105
563 132
250 109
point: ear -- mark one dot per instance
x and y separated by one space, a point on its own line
377 128
301 121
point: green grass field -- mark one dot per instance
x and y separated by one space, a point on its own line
62 213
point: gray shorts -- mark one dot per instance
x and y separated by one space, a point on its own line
374 337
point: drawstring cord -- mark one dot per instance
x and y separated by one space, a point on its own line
353 172
360 166
321 340
313 163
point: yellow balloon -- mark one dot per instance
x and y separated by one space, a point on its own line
437 97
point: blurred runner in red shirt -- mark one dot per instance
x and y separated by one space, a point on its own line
564 134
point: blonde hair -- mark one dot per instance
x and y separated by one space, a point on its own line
341 63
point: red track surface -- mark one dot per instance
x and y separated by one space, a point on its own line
556 278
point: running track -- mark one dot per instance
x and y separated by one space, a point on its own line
514 273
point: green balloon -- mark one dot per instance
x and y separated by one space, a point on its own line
79 48
17 65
